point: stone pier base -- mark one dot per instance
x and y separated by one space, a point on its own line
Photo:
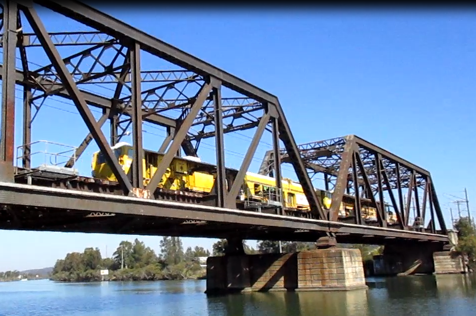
321 269
447 262
330 269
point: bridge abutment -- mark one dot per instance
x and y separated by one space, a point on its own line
320 269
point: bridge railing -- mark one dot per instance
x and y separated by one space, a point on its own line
44 153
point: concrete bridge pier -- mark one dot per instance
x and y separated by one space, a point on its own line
324 268
417 258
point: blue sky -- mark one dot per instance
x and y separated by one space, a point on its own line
403 80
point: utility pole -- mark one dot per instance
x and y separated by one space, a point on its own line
467 204
452 219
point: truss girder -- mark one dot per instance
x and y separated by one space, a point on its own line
192 99
355 167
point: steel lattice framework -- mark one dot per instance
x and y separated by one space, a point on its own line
191 99
355 167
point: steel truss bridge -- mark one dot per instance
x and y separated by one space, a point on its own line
193 101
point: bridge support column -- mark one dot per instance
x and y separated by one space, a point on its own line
330 269
449 262
417 258
320 269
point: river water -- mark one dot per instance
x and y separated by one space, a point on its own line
413 295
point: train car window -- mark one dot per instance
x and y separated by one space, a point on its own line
101 159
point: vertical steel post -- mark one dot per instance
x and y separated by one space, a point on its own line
113 122
277 163
417 198
26 152
403 211
10 16
27 95
136 103
220 146
381 198
355 175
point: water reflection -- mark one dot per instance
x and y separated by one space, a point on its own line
456 285
333 303
445 295
288 303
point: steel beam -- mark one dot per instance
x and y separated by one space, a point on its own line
26 150
115 112
341 182
398 210
220 179
179 137
378 163
76 96
436 204
386 154
136 98
277 162
167 140
297 162
409 199
10 15
380 208
355 177
63 200
65 39
423 203
240 177
403 211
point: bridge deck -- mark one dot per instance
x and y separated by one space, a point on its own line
68 210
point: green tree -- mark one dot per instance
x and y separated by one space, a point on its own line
466 237
141 255
59 266
123 255
171 250
73 262
200 252
218 248
108 263
268 246
91 258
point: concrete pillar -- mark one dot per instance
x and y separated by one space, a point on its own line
330 269
447 262
321 269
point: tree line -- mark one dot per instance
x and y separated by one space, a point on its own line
133 261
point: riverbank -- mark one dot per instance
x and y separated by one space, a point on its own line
148 273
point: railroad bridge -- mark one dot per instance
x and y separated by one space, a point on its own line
368 194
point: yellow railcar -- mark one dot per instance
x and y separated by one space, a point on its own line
190 174
182 174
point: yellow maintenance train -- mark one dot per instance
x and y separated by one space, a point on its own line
258 191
